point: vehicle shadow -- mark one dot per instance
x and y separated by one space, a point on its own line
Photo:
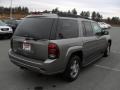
51 82
40 81
55 82
4 38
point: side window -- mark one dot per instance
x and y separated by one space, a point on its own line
96 28
87 28
67 29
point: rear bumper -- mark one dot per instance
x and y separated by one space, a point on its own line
47 67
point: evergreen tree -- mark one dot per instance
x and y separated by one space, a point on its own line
94 15
74 12
87 14
82 14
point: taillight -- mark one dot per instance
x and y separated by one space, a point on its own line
53 51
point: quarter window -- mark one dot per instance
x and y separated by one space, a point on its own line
67 29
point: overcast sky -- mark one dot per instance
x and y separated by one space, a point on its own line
107 8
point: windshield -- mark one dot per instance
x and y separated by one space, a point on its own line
35 28
2 24
10 22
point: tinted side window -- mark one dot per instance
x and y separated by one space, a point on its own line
87 28
67 29
96 28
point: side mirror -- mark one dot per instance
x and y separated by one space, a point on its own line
104 32
99 34
104 29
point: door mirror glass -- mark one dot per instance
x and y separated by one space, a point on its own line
104 28
98 34
104 32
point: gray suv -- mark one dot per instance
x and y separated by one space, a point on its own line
50 44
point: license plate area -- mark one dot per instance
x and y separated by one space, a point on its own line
4 29
26 46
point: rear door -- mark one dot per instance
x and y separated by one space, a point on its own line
90 46
32 37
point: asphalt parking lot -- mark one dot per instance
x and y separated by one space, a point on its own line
102 75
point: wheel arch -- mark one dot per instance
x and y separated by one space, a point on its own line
78 53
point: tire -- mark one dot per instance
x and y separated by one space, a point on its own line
0 37
73 69
9 36
23 68
107 51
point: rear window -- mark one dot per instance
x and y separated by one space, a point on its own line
35 27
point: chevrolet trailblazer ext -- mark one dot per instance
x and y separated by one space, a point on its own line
52 44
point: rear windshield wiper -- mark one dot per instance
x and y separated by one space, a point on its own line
28 37
31 38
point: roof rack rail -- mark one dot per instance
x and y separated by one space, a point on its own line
43 15
72 15
60 14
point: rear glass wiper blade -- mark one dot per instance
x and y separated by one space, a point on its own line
27 37
31 38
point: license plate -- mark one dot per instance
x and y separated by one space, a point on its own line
26 47
5 29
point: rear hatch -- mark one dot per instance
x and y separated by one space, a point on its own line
32 36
